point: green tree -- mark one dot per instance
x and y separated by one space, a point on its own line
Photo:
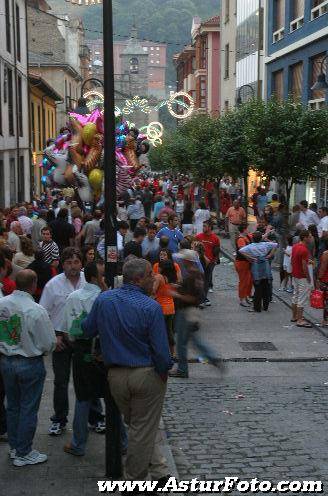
285 140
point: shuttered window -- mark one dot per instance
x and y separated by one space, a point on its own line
278 84
280 14
296 80
316 70
298 8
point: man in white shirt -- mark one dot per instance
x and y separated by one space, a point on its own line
25 222
307 216
26 334
53 299
14 236
323 224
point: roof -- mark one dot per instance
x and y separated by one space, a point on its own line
41 84
212 21
45 60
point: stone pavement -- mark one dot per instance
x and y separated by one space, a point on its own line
62 474
266 416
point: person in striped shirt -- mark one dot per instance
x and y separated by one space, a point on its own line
49 248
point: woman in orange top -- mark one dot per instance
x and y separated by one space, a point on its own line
243 267
163 256
163 295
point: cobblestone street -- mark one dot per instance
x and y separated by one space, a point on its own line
266 416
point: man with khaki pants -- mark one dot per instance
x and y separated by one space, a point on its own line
235 216
135 348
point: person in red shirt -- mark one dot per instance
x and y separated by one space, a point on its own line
301 278
211 243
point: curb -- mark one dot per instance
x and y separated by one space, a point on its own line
308 317
167 451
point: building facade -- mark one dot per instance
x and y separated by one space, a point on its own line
156 64
43 122
297 42
199 66
228 54
14 124
57 54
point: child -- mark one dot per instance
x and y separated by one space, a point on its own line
286 283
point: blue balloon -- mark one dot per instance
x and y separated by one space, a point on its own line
45 161
44 180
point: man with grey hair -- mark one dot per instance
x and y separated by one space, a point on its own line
25 222
135 349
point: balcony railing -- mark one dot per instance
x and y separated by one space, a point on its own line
317 104
319 10
278 35
296 24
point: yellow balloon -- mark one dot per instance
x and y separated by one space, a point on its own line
96 179
88 133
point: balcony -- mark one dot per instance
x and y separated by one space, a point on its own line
317 104
319 10
279 34
296 24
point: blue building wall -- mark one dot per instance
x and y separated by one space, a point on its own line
303 54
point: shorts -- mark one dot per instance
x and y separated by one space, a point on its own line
302 289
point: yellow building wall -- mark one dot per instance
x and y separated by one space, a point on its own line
41 107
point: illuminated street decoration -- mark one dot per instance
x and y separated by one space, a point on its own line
94 99
86 2
136 103
154 132
174 100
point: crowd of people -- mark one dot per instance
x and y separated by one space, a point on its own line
55 301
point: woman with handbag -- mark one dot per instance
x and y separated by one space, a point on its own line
323 282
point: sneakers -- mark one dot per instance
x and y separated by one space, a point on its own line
207 302
68 448
12 453
32 458
99 427
56 429
210 290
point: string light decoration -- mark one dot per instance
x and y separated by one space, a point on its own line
154 132
85 2
94 99
174 100
136 103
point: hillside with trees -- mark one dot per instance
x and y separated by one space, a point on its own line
166 21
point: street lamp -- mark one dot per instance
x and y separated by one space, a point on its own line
113 418
91 80
321 83
239 100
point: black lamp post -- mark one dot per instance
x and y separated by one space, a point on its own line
321 83
91 80
113 420
239 100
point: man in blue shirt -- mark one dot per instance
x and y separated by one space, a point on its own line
173 233
134 346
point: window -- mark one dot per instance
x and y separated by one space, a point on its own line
2 184
70 90
53 131
39 128
152 48
20 106
279 14
203 53
226 61
203 92
20 179
8 26
49 128
65 90
157 49
12 181
33 126
43 128
297 9
296 80
227 10
134 65
18 35
316 70
278 84
145 49
226 105
10 102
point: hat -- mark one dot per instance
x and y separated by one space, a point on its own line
189 255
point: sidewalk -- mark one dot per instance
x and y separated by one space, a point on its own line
62 474
314 316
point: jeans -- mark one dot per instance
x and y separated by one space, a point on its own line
80 427
3 421
23 379
186 332
262 293
61 362
208 277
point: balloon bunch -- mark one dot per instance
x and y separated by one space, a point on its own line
75 158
